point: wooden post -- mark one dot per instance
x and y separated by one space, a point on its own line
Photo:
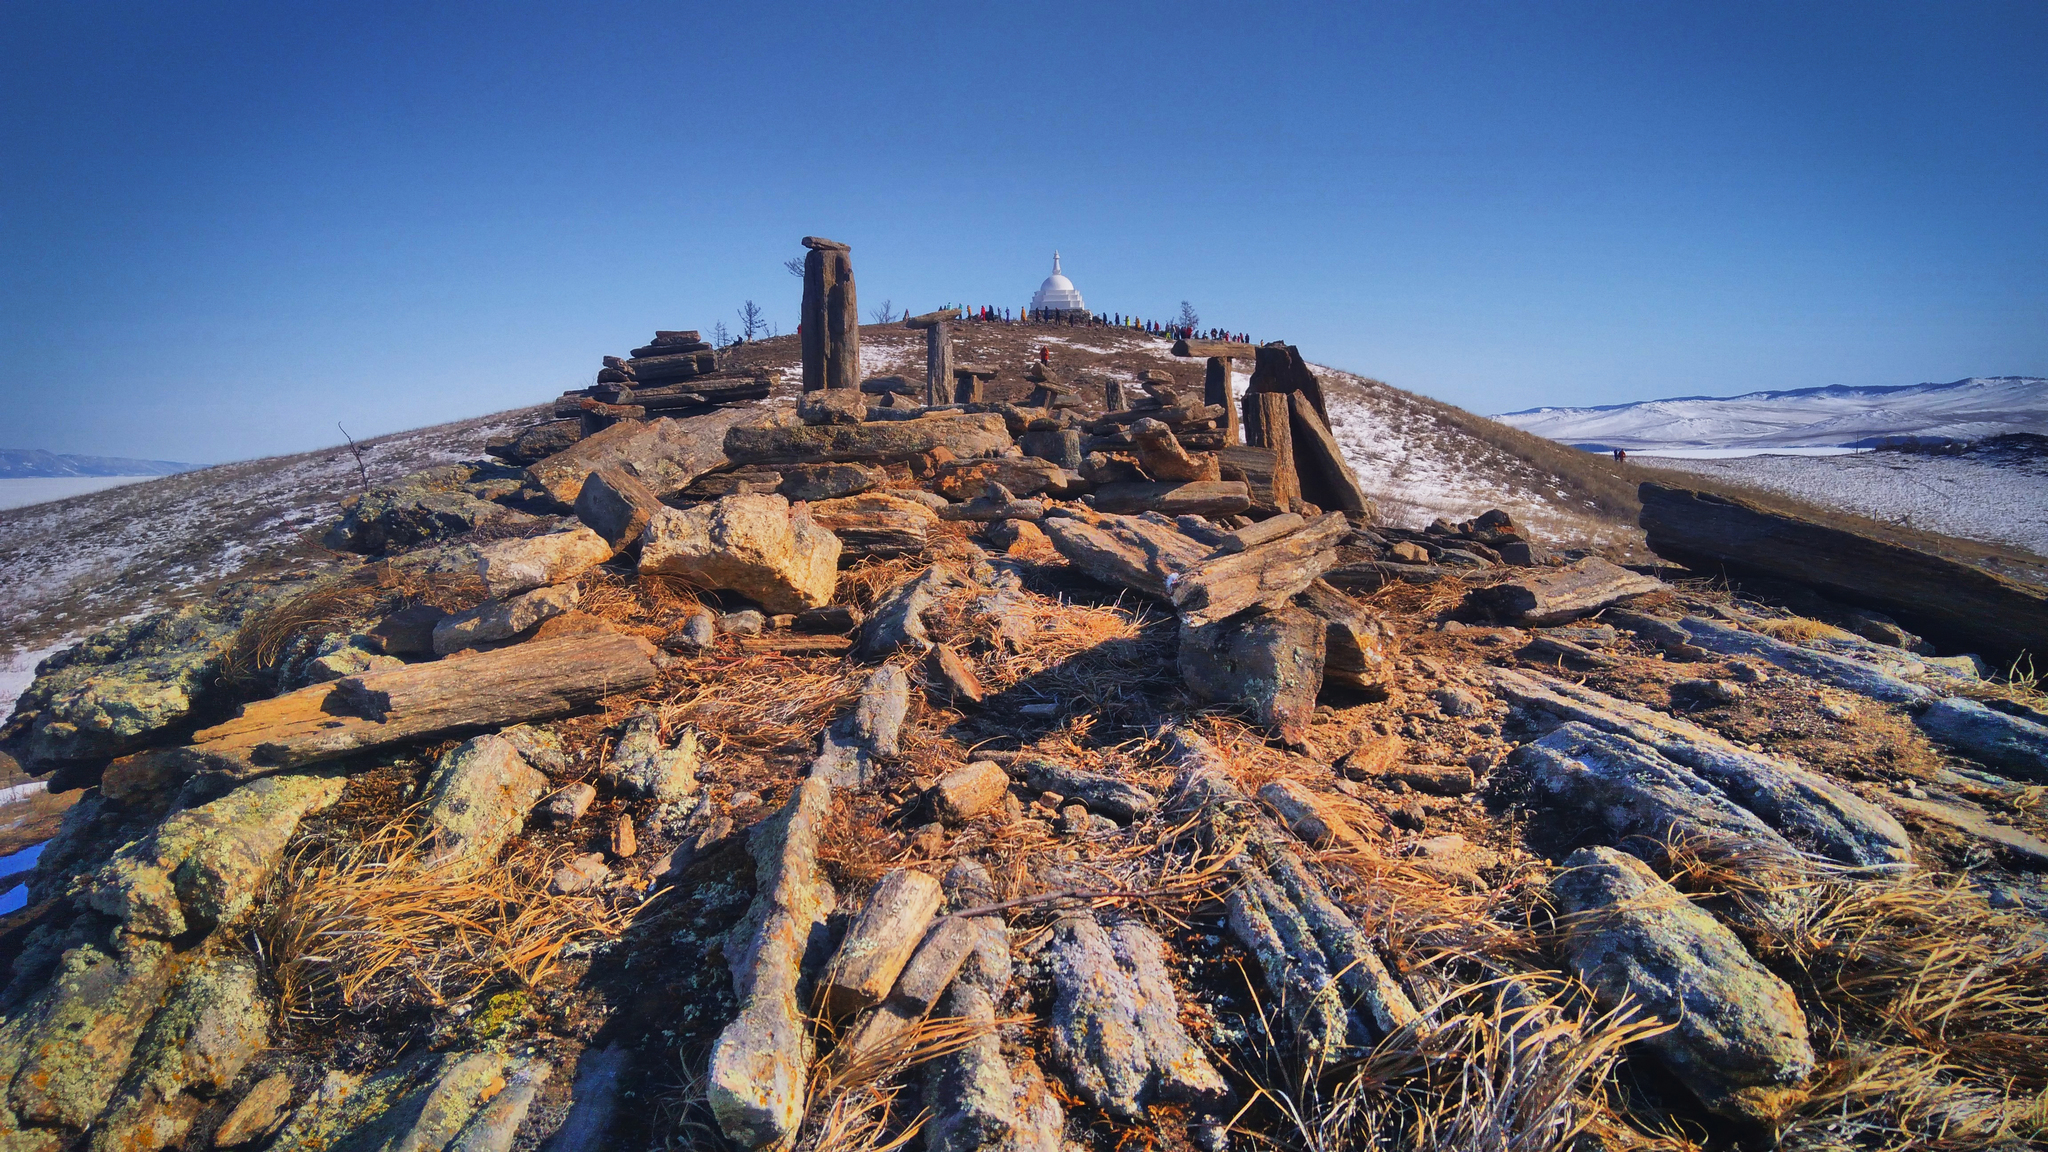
1216 390
831 317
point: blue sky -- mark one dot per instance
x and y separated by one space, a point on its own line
225 227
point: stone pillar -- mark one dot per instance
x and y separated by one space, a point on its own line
831 317
1267 420
1216 390
1113 395
938 363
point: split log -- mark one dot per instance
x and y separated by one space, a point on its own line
1325 476
1113 395
1215 349
1265 531
831 317
1231 582
538 680
1560 594
1945 600
1102 794
1198 498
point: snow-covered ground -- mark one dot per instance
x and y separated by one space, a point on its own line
22 491
1837 416
81 563
1986 494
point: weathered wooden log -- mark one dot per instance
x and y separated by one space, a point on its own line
1103 794
1268 573
831 317
1325 476
797 644
1945 600
533 681
1197 498
1556 595
1215 349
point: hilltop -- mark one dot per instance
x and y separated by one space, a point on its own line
24 462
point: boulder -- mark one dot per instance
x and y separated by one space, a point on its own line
816 482
579 875
950 679
968 792
457 1101
202 866
964 435
616 504
66 1049
432 505
535 443
832 406
1108 795
1128 551
567 806
666 454
216 1019
494 621
1265 573
510 567
1738 1039
477 799
750 544
1358 649
407 632
1269 662
639 766
882 525
897 621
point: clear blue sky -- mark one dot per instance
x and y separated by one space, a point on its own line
225 227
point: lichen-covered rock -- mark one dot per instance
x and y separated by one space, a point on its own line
641 767
257 1113
478 798
2014 743
202 866
427 1103
814 482
497 620
1270 662
215 1020
125 685
423 507
65 1051
849 749
337 657
509 567
1739 1040
751 544
1115 1025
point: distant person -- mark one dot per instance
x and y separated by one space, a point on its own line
1621 455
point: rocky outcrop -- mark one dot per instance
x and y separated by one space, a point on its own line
1115 1023
496 621
436 504
62 1055
1810 810
1846 673
202 866
2014 743
754 545
196 1045
454 1102
477 799
1738 1038
762 1059
1945 600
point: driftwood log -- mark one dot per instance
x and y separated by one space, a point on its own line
533 681
1945 600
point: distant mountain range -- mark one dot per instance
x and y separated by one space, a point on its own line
20 463
1833 417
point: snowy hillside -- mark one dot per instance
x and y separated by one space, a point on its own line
19 462
1832 417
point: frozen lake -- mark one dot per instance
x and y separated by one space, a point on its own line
22 491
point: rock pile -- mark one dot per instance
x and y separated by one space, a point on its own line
1049 773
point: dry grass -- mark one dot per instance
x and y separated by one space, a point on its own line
373 927
274 635
761 702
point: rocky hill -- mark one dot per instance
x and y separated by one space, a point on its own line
1071 766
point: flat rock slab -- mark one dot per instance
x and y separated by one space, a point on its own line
1115 1025
1739 1040
1173 498
1558 595
965 436
1842 672
509 567
2014 743
666 454
1974 821
1126 551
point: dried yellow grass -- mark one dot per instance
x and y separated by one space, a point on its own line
374 926
761 702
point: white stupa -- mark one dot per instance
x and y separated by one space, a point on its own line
1058 293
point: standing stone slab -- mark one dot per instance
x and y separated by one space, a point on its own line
831 318
1739 1040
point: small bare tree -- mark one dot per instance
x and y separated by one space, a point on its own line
1187 318
720 334
884 312
795 265
752 320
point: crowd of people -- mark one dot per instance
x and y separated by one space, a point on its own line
988 314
